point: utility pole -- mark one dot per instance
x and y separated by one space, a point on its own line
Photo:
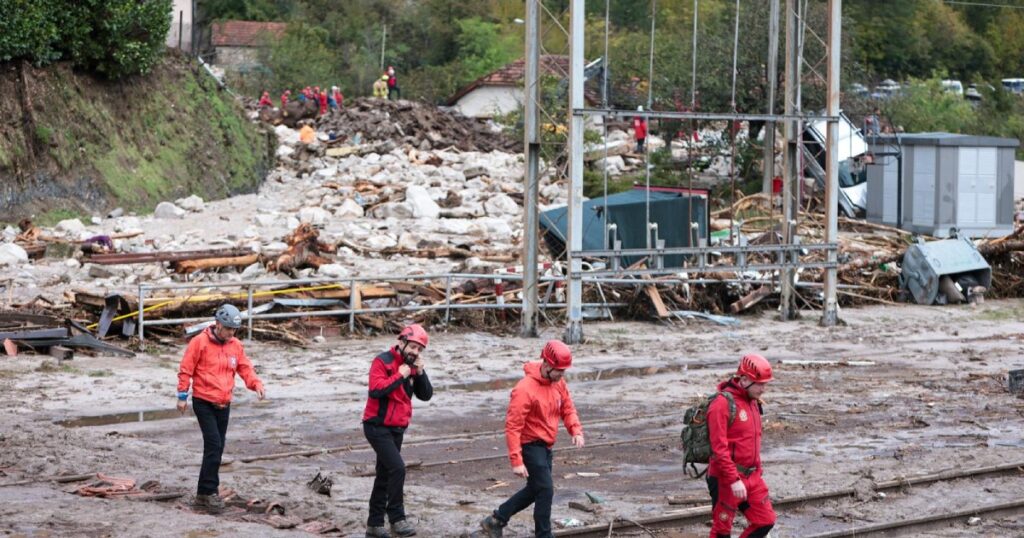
830 315
773 77
574 297
791 174
383 47
532 171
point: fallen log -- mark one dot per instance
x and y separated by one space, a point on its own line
191 266
750 299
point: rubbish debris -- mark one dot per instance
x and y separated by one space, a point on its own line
321 484
1015 381
110 487
943 272
569 523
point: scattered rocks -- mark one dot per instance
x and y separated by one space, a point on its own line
70 227
420 203
11 254
193 203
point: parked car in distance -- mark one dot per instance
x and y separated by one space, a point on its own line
1013 85
953 86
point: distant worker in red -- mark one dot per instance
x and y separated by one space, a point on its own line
339 99
209 365
734 470
538 401
322 98
394 92
265 100
284 98
640 130
396 376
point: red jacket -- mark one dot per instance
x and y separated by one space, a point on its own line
211 367
534 410
390 399
639 128
339 99
323 102
736 444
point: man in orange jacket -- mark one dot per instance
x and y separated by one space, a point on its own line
210 363
531 426
734 470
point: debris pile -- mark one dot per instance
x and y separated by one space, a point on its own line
422 126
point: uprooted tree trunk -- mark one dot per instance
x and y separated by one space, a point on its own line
304 249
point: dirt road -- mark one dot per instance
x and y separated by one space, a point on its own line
915 390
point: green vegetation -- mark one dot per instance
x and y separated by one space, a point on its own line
53 216
115 38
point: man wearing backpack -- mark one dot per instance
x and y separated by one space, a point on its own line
734 469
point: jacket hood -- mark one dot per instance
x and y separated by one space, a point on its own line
736 390
532 369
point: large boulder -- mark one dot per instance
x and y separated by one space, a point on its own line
11 254
71 227
420 202
314 215
192 203
348 210
167 210
500 205
393 210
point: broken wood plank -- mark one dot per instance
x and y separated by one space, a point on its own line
171 256
191 266
750 299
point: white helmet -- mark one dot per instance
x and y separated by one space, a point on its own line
640 108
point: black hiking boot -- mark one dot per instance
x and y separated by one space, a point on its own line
492 527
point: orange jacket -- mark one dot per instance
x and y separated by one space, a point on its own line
534 410
211 367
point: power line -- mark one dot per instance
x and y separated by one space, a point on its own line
980 4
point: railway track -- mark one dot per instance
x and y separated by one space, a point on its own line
698 515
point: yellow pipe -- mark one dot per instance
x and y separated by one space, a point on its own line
200 298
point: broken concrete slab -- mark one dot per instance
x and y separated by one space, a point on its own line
420 203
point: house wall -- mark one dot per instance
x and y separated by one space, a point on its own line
490 101
181 19
234 58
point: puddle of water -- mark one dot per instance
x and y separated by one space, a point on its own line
120 418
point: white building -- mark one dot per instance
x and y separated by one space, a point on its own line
502 91
179 36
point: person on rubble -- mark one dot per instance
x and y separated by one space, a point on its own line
640 130
394 92
322 98
265 101
307 135
396 375
380 87
538 401
734 470
284 98
209 365
339 99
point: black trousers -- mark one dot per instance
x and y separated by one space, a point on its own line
388 486
213 422
539 491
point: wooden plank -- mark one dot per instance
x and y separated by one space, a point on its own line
357 298
750 299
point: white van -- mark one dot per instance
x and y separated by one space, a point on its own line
953 86
1013 85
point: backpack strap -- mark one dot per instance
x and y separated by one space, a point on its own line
732 406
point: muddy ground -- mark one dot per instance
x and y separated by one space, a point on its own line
922 389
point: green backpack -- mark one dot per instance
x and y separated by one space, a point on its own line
695 436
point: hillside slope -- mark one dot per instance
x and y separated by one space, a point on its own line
74 144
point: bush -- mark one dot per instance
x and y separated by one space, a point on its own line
115 38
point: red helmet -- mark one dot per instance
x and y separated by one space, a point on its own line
414 333
755 367
557 355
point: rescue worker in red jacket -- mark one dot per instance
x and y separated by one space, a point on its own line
265 100
210 363
734 470
639 130
284 98
531 426
395 376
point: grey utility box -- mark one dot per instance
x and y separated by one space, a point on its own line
944 271
929 183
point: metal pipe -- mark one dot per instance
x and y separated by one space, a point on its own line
351 317
249 288
699 116
142 331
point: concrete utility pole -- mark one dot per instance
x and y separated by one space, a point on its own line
773 77
791 174
574 298
830 315
532 171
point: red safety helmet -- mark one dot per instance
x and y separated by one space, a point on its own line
557 355
414 333
756 368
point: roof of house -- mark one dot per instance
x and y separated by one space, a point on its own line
245 33
512 75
